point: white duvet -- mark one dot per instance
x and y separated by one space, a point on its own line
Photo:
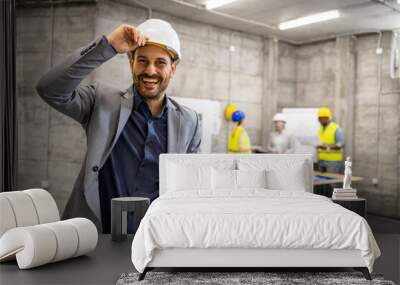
253 218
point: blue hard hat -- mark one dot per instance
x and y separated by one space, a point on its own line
237 116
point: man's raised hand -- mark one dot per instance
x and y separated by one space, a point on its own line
126 38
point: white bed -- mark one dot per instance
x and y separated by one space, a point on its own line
224 210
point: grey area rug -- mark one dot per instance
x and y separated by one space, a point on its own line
228 278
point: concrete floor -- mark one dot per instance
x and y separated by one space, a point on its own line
110 260
387 234
102 266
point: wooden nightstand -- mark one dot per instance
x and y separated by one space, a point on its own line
358 205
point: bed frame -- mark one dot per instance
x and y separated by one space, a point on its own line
241 259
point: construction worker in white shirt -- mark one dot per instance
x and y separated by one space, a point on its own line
239 141
331 143
280 141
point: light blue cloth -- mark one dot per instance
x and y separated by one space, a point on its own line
339 137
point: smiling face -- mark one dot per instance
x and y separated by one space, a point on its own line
152 69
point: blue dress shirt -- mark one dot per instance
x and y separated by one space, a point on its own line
132 167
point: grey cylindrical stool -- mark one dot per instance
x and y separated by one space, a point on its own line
119 210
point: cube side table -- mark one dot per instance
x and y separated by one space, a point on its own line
119 215
358 205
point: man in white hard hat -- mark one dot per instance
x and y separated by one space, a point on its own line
126 130
280 141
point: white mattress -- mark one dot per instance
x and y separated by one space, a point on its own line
252 218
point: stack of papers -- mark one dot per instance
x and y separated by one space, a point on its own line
341 194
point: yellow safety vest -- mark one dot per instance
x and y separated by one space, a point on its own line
237 135
327 136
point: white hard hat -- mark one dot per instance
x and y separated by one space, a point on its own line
162 34
279 117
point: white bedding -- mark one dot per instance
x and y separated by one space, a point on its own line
251 218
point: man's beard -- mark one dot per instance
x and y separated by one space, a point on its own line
138 80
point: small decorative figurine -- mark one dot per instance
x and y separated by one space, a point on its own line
347 174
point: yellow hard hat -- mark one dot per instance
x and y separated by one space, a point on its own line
324 112
229 110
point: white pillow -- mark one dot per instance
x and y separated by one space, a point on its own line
251 178
183 177
286 175
227 179
223 179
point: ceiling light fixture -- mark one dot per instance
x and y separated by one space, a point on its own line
212 4
315 18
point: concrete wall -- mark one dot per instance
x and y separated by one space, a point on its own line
280 82
52 146
261 76
287 76
208 69
376 148
315 71
348 76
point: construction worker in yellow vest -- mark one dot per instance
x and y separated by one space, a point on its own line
331 143
239 141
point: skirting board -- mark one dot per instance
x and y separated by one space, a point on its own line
229 257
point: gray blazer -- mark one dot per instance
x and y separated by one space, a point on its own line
102 111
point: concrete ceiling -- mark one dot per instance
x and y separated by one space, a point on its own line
261 17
